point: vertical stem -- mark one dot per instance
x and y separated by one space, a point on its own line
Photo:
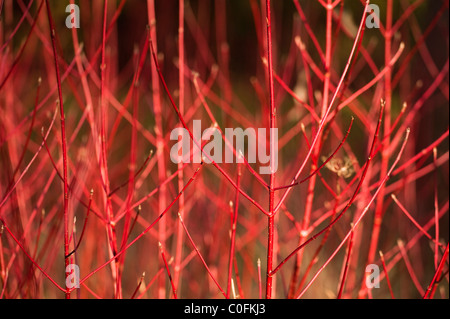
104 156
63 141
436 211
179 242
159 139
259 278
233 232
104 164
271 217
387 128
181 60
270 251
329 38
223 54
312 181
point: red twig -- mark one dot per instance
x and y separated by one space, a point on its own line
271 216
436 211
435 280
201 257
141 280
410 268
84 226
174 290
386 275
233 233
346 265
63 139
181 102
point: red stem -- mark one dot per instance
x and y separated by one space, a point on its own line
436 279
233 233
168 271
63 140
386 275
84 226
181 83
410 268
436 210
271 217
138 286
347 263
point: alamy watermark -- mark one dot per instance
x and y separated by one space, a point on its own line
372 276
73 19
212 151
73 276
372 20
373 17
